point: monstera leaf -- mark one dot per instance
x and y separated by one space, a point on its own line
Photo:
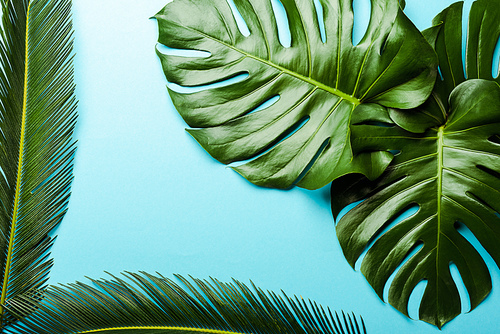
451 171
304 137
37 117
147 304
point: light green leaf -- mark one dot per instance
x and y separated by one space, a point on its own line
147 304
304 137
37 117
451 171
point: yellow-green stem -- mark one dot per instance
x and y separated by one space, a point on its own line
439 199
19 175
187 329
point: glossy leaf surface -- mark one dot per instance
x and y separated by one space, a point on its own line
450 171
37 117
144 303
303 138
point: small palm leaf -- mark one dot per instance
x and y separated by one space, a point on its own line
37 117
154 304
304 137
450 171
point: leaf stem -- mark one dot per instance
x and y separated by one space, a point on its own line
19 174
173 328
440 167
309 80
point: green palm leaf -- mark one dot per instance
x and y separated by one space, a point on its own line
37 117
145 303
304 137
450 171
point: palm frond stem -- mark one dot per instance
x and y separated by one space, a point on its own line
37 120
151 304
19 172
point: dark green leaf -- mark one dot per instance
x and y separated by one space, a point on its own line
37 117
148 304
304 137
446 37
451 171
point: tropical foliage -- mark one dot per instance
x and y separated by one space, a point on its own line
449 170
321 80
306 114
147 304
331 119
37 117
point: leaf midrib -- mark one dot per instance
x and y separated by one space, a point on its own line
309 80
176 328
19 173
440 167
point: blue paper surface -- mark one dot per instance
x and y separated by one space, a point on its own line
147 197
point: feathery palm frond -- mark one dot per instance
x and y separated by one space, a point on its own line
37 118
147 304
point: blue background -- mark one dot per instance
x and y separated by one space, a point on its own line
147 197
